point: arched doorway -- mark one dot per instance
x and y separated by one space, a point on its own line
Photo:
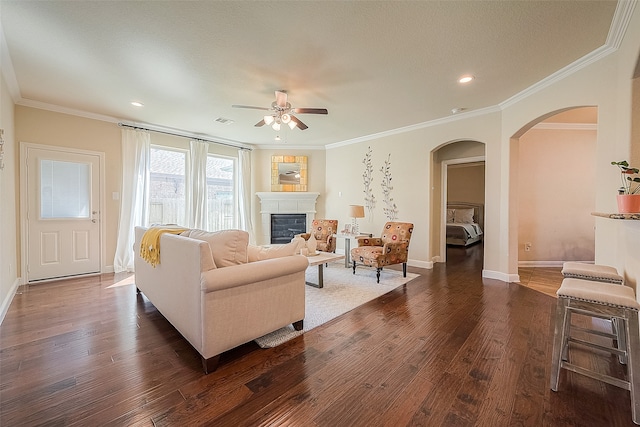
458 175
553 195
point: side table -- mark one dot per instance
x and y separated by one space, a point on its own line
347 245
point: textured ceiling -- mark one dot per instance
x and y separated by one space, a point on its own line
376 66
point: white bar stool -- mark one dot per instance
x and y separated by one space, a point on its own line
599 273
598 299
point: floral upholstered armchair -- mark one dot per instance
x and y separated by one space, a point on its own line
323 230
391 248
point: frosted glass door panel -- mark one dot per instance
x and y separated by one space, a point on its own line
65 189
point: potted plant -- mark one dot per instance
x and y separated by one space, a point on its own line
629 193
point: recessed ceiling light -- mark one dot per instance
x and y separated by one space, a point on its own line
466 79
457 110
137 104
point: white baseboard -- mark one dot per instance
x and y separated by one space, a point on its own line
107 269
9 298
503 277
546 263
420 264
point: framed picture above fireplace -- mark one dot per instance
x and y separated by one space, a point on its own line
289 173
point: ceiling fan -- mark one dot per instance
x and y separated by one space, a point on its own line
282 113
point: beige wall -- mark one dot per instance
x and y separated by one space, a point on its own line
414 179
635 122
605 84
465 183
337 173
261 178
8 215
556 196
458 151
63 130
50 128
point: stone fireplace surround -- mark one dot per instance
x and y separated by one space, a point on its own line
277 202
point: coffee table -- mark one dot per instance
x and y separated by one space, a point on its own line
320 260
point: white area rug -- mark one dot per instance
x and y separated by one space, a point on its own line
342 292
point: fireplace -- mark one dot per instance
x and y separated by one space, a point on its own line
288 203
285 226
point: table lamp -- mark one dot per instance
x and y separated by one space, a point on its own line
355 212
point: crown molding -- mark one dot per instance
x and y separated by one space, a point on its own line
64 110
566 126
411 128
289 147
559 75
6 65
186 134
619 24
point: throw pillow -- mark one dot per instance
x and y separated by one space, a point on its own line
228 247
259 253
463 216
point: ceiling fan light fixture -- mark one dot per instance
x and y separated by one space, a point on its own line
268 120
292 124
276 126
286 118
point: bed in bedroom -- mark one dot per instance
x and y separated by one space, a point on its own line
465 223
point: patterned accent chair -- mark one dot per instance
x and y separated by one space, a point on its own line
324 230
391 248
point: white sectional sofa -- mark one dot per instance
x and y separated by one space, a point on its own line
219 292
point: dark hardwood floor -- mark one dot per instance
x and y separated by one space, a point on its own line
446 349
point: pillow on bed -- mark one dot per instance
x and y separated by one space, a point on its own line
450 214
463 216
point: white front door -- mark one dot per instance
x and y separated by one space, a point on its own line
62 213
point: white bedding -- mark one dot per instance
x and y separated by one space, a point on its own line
463 234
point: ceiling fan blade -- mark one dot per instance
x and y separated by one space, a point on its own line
310 111
260 123
281 99
297 121
251 107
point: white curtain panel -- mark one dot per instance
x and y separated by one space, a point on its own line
197 216
134 195
244 190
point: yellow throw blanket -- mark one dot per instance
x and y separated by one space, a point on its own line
150 244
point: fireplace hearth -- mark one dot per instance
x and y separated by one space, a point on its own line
277 203
285 226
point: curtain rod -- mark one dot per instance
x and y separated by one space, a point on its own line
240 147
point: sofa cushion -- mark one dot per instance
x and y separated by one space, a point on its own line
228 247
259 253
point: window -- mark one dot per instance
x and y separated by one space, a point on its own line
65 189
167 186
221 203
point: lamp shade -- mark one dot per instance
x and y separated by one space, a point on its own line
356 211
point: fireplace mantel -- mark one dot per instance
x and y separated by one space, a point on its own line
277 202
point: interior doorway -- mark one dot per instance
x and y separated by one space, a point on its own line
554 196
463 156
